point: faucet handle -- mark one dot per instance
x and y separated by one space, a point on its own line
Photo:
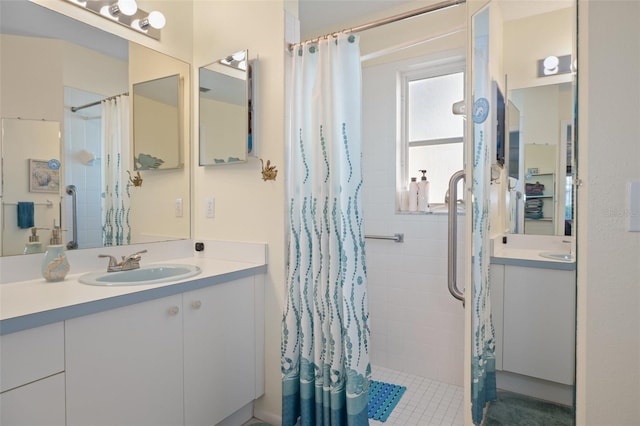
136 255
112 260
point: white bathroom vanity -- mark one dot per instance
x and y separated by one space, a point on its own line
185 352
533 305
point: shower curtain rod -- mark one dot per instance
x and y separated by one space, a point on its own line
391 19
74 109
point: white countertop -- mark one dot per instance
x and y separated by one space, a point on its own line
517 253
28 304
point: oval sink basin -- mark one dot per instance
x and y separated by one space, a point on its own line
566 257
151 274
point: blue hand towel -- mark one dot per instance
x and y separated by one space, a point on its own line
25 214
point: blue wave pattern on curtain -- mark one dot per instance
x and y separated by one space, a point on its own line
116 197
483 368
325 332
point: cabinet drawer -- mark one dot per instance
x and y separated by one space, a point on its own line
29 355
37 404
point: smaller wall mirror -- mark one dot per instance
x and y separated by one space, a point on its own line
225 110
156 124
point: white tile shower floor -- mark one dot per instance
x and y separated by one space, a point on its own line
426 402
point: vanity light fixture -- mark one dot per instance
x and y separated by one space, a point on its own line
126 13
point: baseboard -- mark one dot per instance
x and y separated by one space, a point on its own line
267 417
240 417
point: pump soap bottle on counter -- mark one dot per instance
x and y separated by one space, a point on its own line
33 245
423 193
55 265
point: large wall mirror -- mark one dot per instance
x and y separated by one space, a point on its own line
540 115
225 114
85 81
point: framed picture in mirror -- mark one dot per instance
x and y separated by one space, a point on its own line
44 176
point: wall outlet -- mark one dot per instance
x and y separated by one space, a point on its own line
178 207
210 207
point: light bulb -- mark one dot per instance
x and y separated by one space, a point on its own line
157 20
551 65
238 56
108 12
128 7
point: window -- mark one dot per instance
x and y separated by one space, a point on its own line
432 136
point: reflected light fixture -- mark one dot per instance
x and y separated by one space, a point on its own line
554 65
126 13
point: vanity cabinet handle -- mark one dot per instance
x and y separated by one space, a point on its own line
196 305
173 310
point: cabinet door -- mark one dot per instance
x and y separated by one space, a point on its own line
40 403
124 366
219 351
539 323
496 280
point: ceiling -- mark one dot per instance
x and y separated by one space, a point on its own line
22 17
317 17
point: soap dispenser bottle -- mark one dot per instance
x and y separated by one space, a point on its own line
423 192
55 265
33 245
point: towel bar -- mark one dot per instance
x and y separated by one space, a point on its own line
398 238
48 203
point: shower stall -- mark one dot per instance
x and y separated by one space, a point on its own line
82 148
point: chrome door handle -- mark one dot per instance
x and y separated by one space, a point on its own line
453 235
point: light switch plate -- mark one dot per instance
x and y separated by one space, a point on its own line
634 207
178 207
210 207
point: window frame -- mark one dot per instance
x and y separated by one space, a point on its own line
430 69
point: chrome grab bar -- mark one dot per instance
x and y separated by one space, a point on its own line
398 238
73 244
453 235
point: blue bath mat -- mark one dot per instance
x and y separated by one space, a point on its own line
383 398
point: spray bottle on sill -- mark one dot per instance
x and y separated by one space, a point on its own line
413 195
423 193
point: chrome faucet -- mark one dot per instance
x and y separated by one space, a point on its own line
128 262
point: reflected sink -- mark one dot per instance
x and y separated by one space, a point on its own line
152 274
566 257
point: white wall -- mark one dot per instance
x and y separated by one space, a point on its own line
246 207
608 360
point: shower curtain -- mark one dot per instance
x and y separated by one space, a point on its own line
325 332
483 367
116 195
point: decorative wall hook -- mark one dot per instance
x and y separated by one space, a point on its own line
135 180
269 172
